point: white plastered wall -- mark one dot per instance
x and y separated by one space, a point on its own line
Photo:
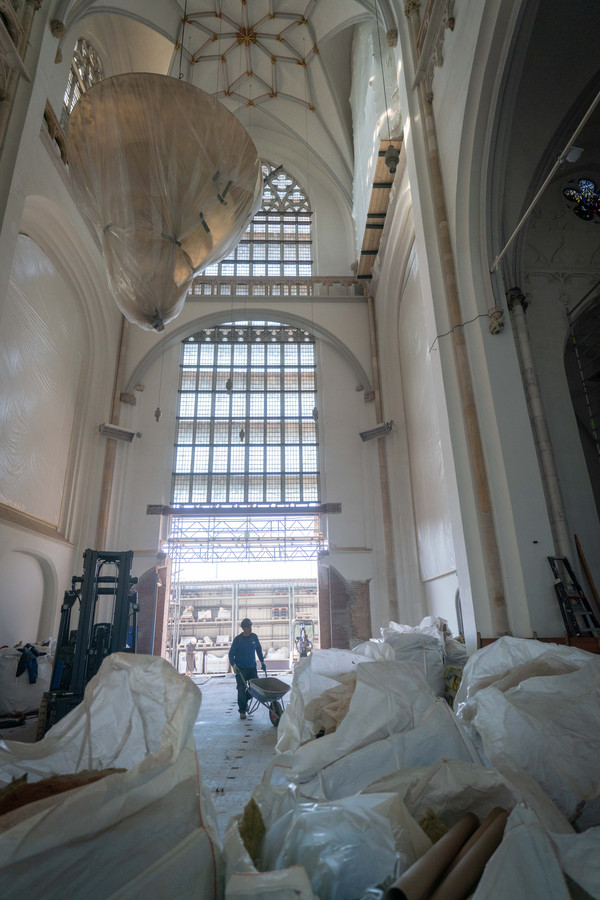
58 340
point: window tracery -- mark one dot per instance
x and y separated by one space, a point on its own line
86 70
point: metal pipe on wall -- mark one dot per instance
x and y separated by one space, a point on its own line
481 484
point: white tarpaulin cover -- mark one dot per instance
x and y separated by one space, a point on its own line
149 831
540 713
169 178
389 697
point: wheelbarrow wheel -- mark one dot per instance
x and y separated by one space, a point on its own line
275 711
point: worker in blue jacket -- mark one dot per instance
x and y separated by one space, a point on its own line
242 656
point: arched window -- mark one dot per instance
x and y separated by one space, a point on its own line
86 69
277 243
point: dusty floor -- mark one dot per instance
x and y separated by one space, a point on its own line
233 754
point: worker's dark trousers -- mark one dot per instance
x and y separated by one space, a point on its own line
241 685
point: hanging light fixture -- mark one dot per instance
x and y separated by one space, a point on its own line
169 178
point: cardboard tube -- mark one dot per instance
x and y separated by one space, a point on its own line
421 878
460 881
475 837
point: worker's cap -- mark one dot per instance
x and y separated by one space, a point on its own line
246 623
193 640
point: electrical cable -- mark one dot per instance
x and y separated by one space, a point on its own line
459 325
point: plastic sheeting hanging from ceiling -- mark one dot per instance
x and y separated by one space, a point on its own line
170 179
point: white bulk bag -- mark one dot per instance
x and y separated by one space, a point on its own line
312 677
505 657
129 832
424 650
438 735
452 787
17 695
549 726
389 697
527 865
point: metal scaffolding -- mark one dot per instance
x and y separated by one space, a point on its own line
244 539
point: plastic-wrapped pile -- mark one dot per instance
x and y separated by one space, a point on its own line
147 831
169 178
367 750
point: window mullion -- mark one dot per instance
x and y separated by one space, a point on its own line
211 428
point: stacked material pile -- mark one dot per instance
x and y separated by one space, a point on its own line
381 790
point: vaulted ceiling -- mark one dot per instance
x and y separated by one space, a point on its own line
282 66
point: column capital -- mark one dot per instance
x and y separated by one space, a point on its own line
57 28
411 6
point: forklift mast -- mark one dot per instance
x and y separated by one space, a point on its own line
80 653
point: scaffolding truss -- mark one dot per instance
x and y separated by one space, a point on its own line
244 539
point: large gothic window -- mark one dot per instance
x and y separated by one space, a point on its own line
246 428
86 69
277 243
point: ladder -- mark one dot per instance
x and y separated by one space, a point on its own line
578 617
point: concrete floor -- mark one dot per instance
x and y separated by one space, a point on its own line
233 754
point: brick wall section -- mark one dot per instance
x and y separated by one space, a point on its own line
152 593
344 610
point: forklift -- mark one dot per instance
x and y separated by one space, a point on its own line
303 634
107 624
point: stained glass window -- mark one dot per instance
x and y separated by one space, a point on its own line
584 199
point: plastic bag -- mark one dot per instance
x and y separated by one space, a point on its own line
283 884
129 832
345 846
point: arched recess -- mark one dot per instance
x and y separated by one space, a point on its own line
250 313
28 592
51 230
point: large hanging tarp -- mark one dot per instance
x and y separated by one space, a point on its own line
169 178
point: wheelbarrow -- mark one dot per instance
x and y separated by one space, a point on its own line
269 692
